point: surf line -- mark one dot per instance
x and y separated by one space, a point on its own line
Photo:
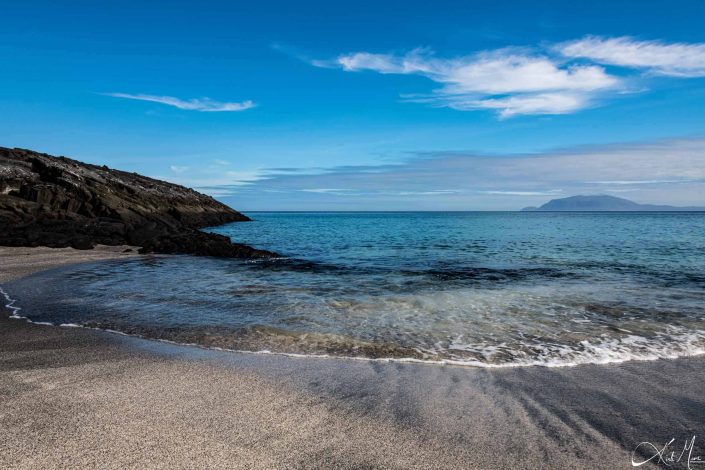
10 305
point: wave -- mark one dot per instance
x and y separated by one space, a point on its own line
600 353
485 316
10 305
671 343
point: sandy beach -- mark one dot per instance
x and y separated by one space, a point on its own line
76 398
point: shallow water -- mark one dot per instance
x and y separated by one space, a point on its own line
488 289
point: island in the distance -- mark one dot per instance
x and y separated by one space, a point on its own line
603 203
60 202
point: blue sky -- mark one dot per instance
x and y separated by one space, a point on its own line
367 105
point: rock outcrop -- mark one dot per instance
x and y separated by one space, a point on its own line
59 202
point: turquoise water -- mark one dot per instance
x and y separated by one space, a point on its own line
487 289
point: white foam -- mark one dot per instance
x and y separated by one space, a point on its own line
673 343
597 353
10 305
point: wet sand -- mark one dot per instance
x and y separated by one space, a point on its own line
16 262
76 398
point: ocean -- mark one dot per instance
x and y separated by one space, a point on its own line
487 289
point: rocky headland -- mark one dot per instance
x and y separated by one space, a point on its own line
59 202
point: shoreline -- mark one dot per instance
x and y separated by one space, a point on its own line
75 398
65 257
383 360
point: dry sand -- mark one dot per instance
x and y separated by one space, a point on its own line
75 398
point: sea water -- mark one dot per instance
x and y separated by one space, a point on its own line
475 288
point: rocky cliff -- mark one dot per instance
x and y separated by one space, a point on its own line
59 202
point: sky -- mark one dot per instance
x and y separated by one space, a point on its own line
367 105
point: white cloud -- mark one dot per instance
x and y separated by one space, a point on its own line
523 193
674 59
380 192
508 81
621 190
381 63
498 73
324 190
202 104
562 102
631 182
564 78
432 192
221 162
178 169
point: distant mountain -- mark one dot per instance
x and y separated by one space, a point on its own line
603 204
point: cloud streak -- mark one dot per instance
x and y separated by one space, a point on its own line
198 104
672 59
632 182
553 192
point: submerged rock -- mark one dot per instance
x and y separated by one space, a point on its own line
59 202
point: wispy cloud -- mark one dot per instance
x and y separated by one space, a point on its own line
324 190
198 104
510 81
212 179
632 182
523 193
552 79
674 59
378 192
666 172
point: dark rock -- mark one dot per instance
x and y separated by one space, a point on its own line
59 202
201 244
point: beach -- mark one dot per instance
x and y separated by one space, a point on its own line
80 398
